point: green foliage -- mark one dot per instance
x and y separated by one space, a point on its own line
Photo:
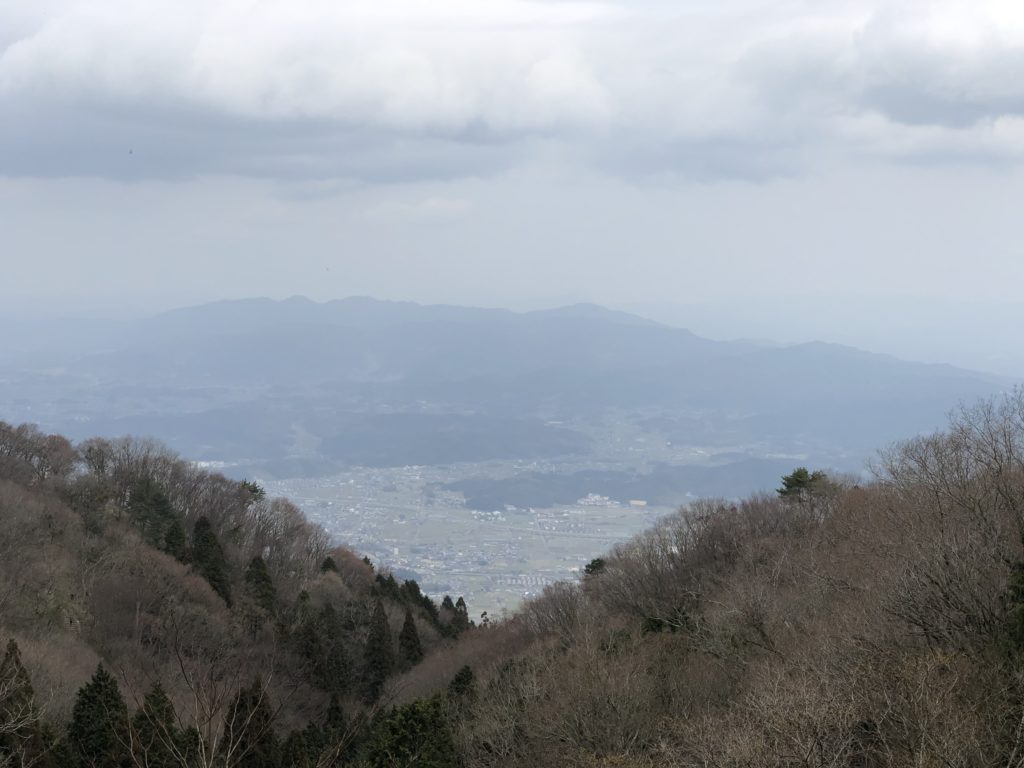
22 739
334 719
413 736
461 622
98 733
176 541
151 511
249 735
255 490
463 685
297 752
320 641
456 617
156 738
259 585
594 567
15 682
327 743
388 587
378 655
801 484
209 560
409 642
328 565
411 594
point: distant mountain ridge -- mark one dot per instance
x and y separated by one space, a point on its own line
243 315
363 381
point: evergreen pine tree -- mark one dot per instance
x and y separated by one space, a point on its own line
462 685
327 743
98 731
328 565
150 510
175 541
21 734
254 490
409 642
208 558
411 593
460 622
320 641
801 484
314 741
334 719
260 586
335 668
378 657
155 731
413 736
296 752
248 730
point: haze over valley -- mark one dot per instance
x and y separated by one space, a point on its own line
483 452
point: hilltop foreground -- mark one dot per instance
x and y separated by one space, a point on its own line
165 616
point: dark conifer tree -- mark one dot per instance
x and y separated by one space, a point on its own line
260 586
409 642
328 565
150 509
335 668
378 656
296 752
415 735
255 491
411 593
249 737
335 723
320 641
175 541
460 622
156 738
387 586
801 484
327 743
208 558
22 739
462 685
98 733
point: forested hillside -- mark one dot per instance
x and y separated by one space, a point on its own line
166 616
155 614
824 625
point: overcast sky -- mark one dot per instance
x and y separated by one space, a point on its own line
509 152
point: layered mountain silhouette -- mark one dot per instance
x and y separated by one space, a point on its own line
310 386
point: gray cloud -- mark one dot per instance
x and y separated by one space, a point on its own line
398 90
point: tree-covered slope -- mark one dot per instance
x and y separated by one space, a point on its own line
829 624
160 615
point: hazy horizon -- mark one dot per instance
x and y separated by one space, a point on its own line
969 334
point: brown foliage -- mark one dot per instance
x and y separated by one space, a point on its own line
860 626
